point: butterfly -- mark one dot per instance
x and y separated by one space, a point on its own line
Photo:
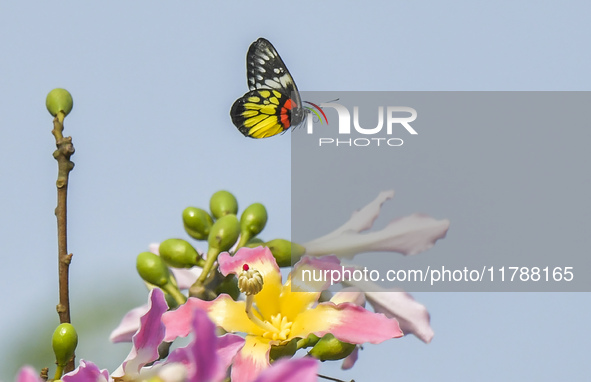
273 104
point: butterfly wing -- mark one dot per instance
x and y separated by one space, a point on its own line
262 113
266 69
273 104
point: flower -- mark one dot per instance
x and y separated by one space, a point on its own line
408 235
281 315
206 358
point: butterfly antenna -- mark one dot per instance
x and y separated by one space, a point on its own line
314 111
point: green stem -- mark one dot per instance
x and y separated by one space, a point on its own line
261 324
244 238
175 293
212 256
59 371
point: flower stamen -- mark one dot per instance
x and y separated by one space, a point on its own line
250 282
282 326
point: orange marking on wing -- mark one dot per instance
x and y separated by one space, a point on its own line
289 104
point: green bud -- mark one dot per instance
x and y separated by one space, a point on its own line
223 203
64 342
284 250
224 233
253 219
329 348
59 100
179 253
311 340
197 222
152 269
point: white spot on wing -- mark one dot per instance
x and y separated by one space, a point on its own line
272 84
286 80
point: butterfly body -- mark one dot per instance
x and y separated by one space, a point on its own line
273 104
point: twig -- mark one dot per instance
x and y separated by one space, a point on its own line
64 151
332 379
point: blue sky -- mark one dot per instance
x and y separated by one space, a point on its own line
153 84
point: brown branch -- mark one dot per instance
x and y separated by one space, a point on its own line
64 151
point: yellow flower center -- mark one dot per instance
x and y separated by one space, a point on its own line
282 326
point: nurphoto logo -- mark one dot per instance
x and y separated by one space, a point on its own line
394 116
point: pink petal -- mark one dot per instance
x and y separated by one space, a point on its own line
309 269
259 258
201 357
291 370
411 235
148 337
351 359
28 374
179 322
395 303
206 362
324 262
408 235
412 316
202 363
347 322
87 372
228 346
129 325
350 294
361 220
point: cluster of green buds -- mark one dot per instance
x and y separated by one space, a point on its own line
224 232
326 348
